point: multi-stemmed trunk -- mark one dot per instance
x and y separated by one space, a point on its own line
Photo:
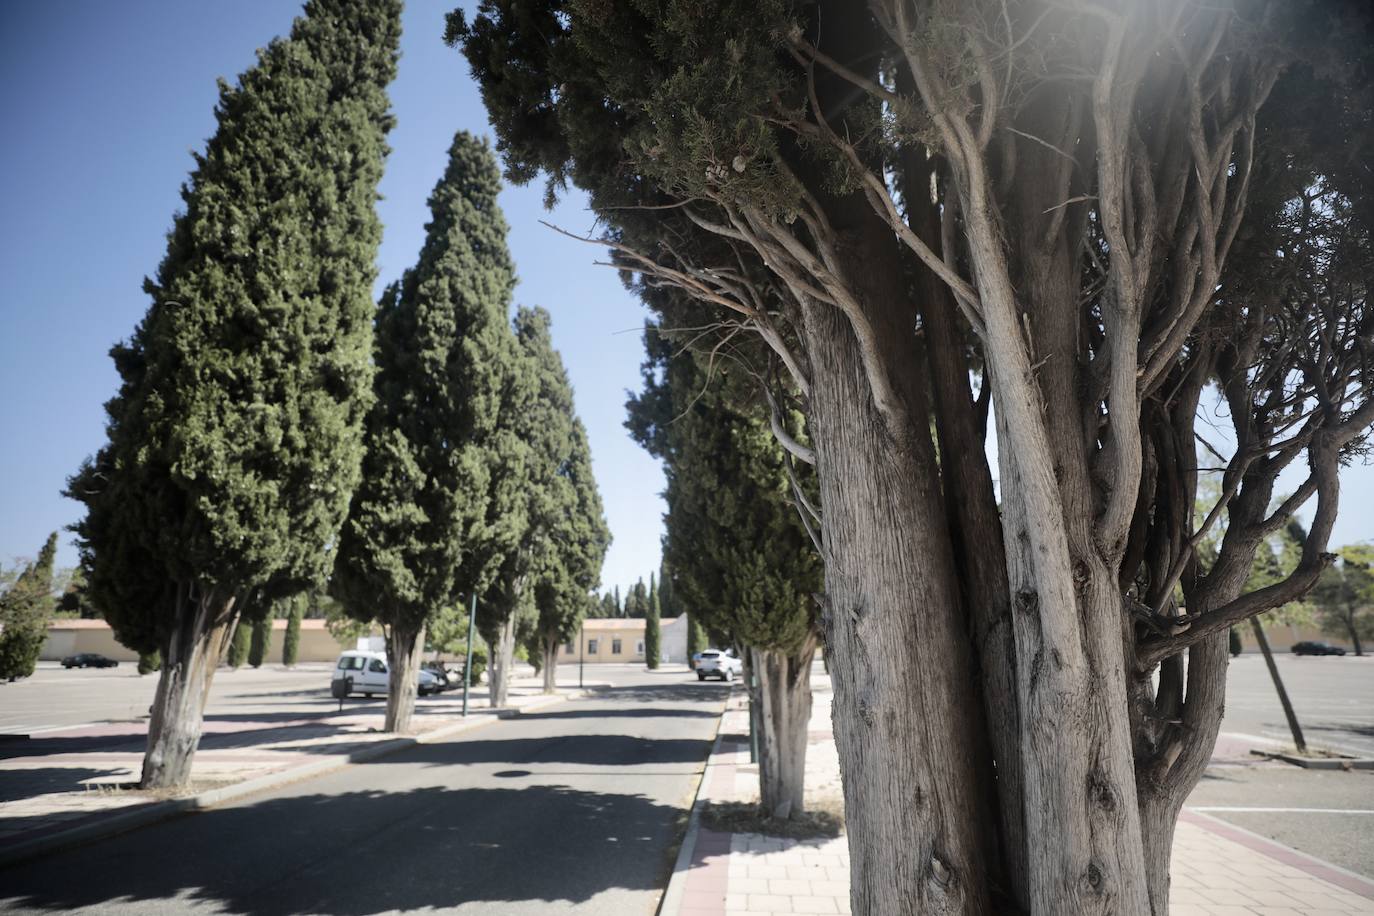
190 655
404 645
781 690
502 660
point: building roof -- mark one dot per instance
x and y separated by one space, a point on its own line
621 623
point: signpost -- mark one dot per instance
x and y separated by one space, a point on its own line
467 667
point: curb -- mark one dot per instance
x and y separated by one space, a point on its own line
1341 762
671 901
100 825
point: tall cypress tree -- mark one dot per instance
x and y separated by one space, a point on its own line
443 354
291 642
240 644
25 609
236 437
260 643
653 633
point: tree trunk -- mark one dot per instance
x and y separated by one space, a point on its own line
922 832
404 646
502 659
783 695
550 647
189 658
1298 740
1354 632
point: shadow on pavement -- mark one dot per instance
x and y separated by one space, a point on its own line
24 783
365 852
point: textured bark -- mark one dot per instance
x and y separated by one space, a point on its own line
921 834
783 695
550 649
189 659
502 660
403 649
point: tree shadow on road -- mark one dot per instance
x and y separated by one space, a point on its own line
366 852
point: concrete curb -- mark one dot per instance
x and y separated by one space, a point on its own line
100 825
671 901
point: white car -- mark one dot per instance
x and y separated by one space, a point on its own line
367 673
715 663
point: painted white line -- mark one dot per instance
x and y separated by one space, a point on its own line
1243 810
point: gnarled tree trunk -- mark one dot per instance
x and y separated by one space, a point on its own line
189 658
502 660
403 649
783 695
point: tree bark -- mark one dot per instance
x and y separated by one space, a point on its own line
502 659
550 647
189 658
783 694
1354 631
404 646
921 828
1293 727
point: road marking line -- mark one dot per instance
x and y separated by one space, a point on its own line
1245 810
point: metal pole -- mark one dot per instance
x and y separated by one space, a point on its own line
581 652
467 668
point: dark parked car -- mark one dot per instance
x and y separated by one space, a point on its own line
88 660
1316 648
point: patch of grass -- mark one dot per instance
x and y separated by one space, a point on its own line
824 820
134 789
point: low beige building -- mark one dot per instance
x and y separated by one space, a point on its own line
621 639
70 637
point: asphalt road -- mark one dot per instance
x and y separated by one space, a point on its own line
576 809
1333 697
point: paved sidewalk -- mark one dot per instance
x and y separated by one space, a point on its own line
72 777
1219 869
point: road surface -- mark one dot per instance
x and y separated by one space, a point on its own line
575 809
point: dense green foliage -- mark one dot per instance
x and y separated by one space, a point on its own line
291 642
568 536
696 636
149 662
25 609
740 556
235 439
260 644
422 524
1344 596
653 636
240 644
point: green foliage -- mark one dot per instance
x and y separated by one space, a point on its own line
148 662
696 636
291 642
739 554
1344 596
25 609
429 521
653 636
1235 645
235 439
260 643
240 644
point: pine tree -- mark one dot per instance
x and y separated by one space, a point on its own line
260 644
235 439
291 642
25 609
424 511
618 605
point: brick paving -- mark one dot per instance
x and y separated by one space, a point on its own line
1218 869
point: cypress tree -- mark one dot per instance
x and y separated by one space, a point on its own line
422 528
696 638
148 662
653 635
25 609
240 644
291 642
566 520
236 436
260 643
739 553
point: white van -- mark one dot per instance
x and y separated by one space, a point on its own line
369 673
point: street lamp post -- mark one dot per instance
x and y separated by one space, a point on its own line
467 668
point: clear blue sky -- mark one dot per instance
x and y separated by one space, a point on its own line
102 104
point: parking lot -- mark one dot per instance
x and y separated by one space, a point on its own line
1333 697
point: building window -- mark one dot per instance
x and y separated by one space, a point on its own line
639 647
615 647
591 646
569 649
